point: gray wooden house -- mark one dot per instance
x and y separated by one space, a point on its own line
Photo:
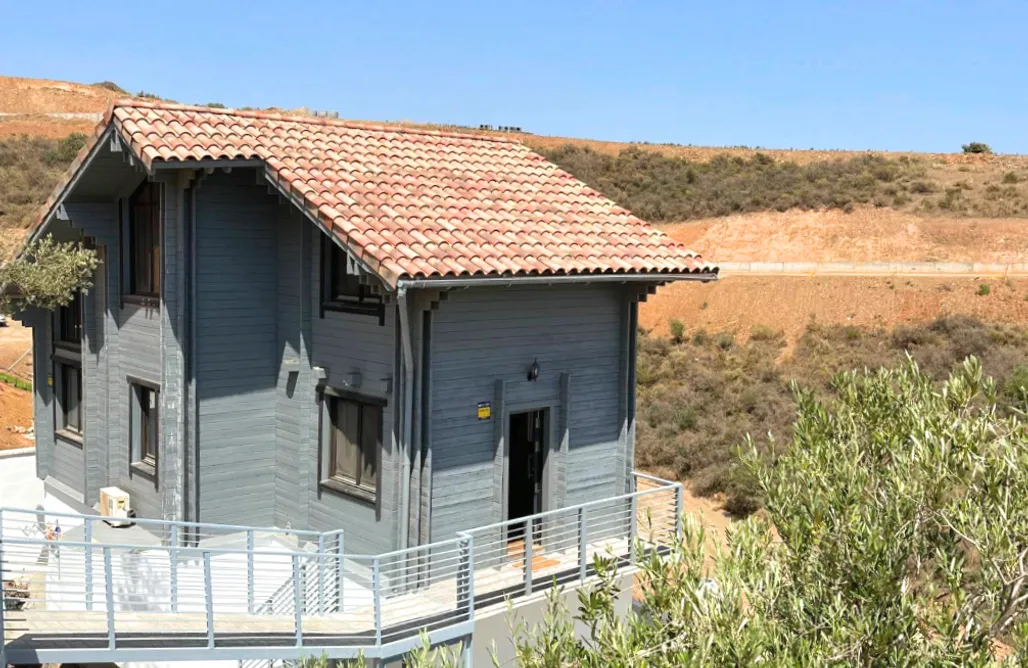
314 324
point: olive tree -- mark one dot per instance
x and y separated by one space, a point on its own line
895 534
46 274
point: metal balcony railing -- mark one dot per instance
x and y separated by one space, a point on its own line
178 590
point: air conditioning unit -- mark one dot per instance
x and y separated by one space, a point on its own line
114 503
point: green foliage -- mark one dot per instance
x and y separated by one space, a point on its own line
976 147
661 188
46 274
111 86
15 381
677 329
215 105
983 290
29 170
746 389
896 534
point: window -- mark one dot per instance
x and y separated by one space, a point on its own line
69 323
144 435
341 285
144 261
353 441
68 371
69 399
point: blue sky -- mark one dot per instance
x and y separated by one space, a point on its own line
925 76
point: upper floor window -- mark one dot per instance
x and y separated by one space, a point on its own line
67 375
144 258
341 286
69 322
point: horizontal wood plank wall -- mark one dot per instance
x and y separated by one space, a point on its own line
481 336
237 359
294 392
347 343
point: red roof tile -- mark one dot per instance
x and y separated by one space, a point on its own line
414 203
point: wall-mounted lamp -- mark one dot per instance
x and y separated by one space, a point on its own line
533 371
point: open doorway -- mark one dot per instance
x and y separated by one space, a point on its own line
527 438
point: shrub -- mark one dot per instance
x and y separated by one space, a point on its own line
677 329
983 290
764 333
111 86
976 147
215 105
1010 177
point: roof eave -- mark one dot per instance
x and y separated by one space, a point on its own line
57 198
442 282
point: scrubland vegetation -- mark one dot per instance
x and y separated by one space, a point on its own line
698 399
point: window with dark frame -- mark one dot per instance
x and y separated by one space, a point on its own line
144 246
341 285
144 436
354 441
68 369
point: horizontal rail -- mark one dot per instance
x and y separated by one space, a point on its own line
218 598
221 528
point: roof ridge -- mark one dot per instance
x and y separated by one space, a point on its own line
368 126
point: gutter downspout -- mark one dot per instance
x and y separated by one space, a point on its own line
408 414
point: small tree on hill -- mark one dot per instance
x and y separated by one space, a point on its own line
977 147
895 534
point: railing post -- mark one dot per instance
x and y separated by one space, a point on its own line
466 579
583 542
633 528
173 566
376 592
3 602
321 574
109 596
339 575
249 571
297 600
529 540
679 511
89 562
208 597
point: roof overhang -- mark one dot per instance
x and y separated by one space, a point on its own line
507 281
56 203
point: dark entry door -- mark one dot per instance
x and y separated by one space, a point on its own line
527 458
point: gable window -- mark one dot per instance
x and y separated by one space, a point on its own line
67 376
341 286
143 421
144 247
351 444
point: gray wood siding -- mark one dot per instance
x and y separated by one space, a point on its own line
294 395
481 336
344 343
139 356
237 360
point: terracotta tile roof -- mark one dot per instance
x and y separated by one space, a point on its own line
414 203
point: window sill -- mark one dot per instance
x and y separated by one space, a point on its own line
376 309
69 436
144 469
64 352
142 300
349 490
